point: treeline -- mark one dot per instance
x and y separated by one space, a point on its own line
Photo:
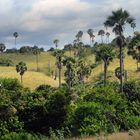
25 50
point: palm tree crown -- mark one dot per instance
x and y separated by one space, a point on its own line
118 20
2 47
56 41
101 33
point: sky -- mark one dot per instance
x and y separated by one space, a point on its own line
39 22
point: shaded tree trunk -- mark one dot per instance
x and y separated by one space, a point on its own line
21 79
60 77
121 70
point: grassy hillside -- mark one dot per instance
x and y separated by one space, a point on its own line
33 79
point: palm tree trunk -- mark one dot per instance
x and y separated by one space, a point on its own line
105 72
121 70
21 79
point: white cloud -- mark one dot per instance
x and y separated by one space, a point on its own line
40 21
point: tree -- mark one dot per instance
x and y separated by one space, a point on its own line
68 47
90 32
59 55
133 25
2 47
107 37
118 20
79 36
56 41
21 68
36 52
101 33
105 53
134 49
15 34
70 73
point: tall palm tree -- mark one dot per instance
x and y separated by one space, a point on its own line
15 34
118 20
107 37
59 55
21 68
90 32
36 52
56 41
79 36
133 25
101 33
2 47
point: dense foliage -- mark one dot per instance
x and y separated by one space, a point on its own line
83 109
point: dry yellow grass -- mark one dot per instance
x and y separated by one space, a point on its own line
31 79
114 136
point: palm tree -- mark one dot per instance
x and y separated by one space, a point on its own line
90 32
107 37
59 55
36 52
133 25
106 54
2 47
15 34
21 68
56 41
101 33
118 20
79 36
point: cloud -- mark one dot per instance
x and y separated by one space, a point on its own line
41 21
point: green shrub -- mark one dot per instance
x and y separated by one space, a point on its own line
10 84
88 119
22 136
10 124
6 62
132 90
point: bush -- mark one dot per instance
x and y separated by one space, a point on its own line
22 136
132 90
88 119
6 62
10 84
10 124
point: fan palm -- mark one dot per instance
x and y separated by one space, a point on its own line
118 20
101 33
2 47
90 32
56 41
107 37
15 34
21 68
36 52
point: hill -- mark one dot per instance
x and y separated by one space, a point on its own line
33 79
